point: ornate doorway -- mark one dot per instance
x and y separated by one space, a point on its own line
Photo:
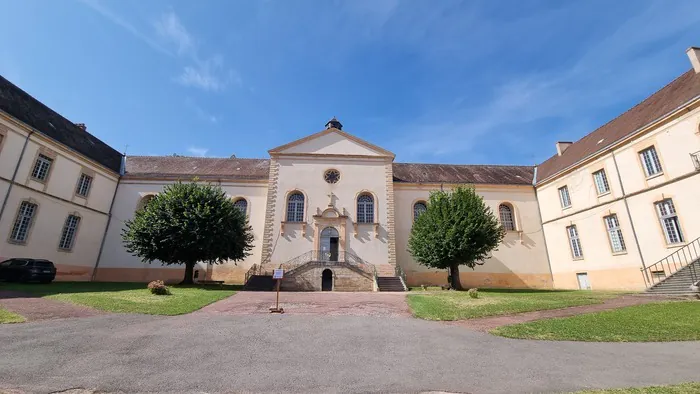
329 244
327 280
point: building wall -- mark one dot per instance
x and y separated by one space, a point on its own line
117 264
674 141
305 174
519 262
56 199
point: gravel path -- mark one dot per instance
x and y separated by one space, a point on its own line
35 308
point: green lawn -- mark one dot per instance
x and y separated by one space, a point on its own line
457 305
9 317
664 321
127 297
683 388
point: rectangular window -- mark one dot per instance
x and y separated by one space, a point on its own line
564 197
650 161
617 242
669 221
574 242
23 222
41 168
601 182
84 184
68 234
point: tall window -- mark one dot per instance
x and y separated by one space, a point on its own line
242 205
295 207
418 209
41 168
365 209
617 242
601 182
70 228
84 184
650 161
669 221
23 222
506 214
564 197
574 242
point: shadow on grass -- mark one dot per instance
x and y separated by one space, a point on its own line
41 290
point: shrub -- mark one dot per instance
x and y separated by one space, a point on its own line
473 293
158 287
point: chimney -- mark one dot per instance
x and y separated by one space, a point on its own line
561 147
81 126
694 55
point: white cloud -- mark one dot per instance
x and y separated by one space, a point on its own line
196 151
210 75
168 27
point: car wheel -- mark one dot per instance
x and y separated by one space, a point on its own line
45 281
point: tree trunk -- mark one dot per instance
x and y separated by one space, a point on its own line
189 273
454 277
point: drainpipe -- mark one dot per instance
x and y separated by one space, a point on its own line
629 214
544 238
109 221
14 174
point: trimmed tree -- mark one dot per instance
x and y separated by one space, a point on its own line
456 229
187 223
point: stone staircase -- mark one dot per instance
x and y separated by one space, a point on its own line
387 279
678 283
260 283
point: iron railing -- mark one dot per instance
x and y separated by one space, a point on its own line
330 259
672 263
398 271
696 160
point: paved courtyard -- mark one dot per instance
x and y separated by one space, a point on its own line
223 352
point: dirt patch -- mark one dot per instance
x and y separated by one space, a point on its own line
489 323
35 308
313 303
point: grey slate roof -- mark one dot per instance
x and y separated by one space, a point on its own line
25 108
181 167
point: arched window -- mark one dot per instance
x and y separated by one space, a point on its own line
365 209
144 201
418 209
505 211
295 207
242 205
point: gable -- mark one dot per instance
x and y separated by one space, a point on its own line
331 142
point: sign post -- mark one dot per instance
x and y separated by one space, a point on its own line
277 274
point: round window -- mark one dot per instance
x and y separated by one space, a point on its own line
331 176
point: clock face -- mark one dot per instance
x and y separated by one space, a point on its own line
331 176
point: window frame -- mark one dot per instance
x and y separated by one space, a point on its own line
368 209
419 202
11 238
244 200
80 183
604 182
298 213
3 137
575 237
42 157
564 188
64 232
670 216
511 212
656 162
618 230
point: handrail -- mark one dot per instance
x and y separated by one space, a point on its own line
400 273
328 258
672 263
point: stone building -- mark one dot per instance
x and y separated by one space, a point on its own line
336 211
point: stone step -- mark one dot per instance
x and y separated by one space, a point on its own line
390 283
260 283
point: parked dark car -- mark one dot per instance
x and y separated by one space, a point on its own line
27 270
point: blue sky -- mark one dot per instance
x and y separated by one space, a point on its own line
473 82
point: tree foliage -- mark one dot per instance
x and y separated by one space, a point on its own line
458 228
187 223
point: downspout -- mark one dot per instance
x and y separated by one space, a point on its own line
544 238
629 214
109 220
14 174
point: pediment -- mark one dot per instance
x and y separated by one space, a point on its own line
331 142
